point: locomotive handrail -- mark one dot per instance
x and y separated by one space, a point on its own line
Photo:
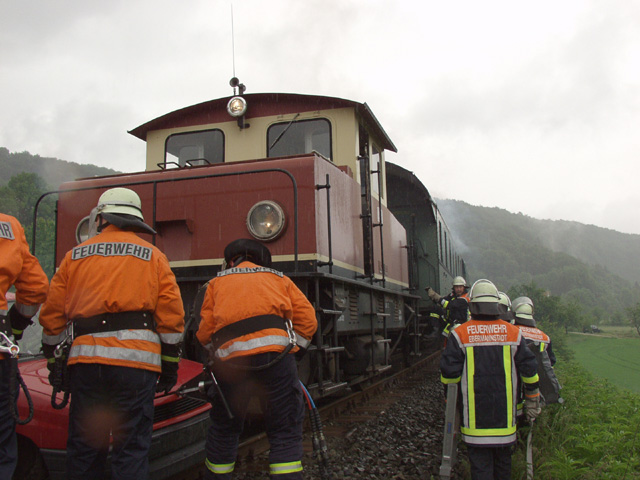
381 221
166 180
327 186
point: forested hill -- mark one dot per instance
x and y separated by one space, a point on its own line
51 170
598 267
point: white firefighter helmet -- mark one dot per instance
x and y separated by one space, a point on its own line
524 314
460 281
520 301
120 200
504 305
484 298
505 300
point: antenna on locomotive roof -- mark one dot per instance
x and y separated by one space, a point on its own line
233 46
238 88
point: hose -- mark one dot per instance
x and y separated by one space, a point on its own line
320 451
14 390
61 383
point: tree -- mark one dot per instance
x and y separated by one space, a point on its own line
18 198
634 316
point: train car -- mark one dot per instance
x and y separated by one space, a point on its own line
305 174
433 257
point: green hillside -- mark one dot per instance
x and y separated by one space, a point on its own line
514 249
51 170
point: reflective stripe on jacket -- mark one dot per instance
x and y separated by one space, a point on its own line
115 271
487 357
249 290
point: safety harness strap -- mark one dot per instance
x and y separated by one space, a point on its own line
111 322
246 327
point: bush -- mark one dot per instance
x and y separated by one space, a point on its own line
594 435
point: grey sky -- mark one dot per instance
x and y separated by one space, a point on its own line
528 106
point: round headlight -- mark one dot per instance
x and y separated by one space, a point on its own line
82 230
237 107
265 220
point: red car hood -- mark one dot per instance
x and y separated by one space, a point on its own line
48 428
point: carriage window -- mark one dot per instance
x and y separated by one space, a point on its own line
194 148
294 138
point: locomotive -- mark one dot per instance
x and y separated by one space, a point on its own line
306 175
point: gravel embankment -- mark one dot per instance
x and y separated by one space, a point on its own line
400 443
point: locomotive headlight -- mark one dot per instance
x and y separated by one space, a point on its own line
266 220
237 107
82 230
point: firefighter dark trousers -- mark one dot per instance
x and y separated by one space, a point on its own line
8 441
278 389
490 463
110 398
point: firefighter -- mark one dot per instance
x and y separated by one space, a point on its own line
487 355
504 305
254 319
455 305
22 270
122 299
540 344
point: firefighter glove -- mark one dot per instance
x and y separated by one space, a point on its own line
170 359
433 295
168 378
18 322
48 350
532 407
300 353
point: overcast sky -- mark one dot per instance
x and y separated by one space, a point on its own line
529 106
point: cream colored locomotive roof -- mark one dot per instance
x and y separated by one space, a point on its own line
265 109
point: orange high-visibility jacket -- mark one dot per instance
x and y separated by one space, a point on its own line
18 267
115 271
534 334
249 290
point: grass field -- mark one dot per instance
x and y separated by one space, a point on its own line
613 354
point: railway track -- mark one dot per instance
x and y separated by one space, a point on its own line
341 418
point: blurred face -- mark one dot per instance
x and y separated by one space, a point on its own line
458 290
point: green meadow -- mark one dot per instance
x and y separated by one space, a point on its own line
593 435
613 354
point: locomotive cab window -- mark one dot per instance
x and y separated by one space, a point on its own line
295 138
194 148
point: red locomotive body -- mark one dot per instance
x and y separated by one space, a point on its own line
197 211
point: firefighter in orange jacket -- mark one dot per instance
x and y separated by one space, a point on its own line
21 269
122 299
253 319
486 356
